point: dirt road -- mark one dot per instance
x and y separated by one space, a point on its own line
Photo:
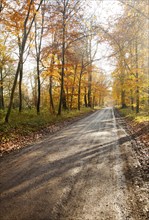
83 172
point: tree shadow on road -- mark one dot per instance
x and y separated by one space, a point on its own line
33 173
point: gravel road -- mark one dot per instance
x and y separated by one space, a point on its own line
83 172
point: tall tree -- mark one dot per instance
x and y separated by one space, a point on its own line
39 30
29 18
5 61
130 49
68 10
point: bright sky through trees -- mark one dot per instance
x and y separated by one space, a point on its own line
106 12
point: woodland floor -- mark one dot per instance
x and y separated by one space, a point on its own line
87 169
18 140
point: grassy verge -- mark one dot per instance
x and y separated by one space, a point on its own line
141 117
28 121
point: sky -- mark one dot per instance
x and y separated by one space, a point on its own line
106 12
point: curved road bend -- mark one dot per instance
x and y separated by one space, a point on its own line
76 174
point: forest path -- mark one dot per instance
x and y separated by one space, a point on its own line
82 172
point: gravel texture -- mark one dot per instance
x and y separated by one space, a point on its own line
85 171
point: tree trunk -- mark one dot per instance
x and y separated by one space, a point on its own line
35 92
73 87
85 98
26 32
64 101
79 91
71 98
93 101
137 100
38 87
20 87
123 104
137 80
132 100
52 108
90 74
99 100
1 91
90 90
12 93
61 101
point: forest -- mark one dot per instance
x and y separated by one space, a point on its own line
74 109
52 63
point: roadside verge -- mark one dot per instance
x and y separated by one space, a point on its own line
137 174
21 141
139 132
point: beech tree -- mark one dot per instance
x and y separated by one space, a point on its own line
63 40
66 10
30 10
129 49
39 30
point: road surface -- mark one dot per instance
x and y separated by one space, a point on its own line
80 173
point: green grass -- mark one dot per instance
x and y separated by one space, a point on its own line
142 116
28 121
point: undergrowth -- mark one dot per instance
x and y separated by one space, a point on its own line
142 116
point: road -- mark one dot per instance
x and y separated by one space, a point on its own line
80 173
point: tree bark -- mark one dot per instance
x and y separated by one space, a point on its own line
132 100
90 90
137 80
38 87
12 93
38 55
73 87
1 91
123 104
64 100
61 101
79 91
93 101
20 86
90 75
85 98
52 108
